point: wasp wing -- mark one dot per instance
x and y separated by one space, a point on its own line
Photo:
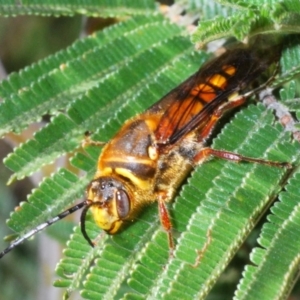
190 105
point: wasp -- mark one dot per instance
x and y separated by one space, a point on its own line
151 155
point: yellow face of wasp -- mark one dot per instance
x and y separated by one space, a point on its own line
111 203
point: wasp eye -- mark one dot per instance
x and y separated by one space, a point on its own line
123 203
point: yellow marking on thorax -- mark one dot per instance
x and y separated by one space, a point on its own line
103 172
143 184
130 159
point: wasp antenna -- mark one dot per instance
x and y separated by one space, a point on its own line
44 225
82 221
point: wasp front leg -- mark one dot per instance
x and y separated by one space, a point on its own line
165 219
87 141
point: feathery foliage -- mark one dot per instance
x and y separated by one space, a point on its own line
102 80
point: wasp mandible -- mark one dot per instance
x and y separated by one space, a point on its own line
154 152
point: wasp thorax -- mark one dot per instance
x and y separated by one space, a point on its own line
111 203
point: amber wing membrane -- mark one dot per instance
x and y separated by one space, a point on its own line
190 105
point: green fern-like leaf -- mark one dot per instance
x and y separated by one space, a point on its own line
113 106
207 9
66 131
288 98
237 25
93 8
251 18
218 203
103 80
53 195
79 257
280 248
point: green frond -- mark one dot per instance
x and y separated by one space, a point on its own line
93 8
289 62
250 19
219 207
103 80
94 71
237 25
53 83
206 9
280 247
288 98
52 196
78 259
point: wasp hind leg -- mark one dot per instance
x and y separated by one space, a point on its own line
205 153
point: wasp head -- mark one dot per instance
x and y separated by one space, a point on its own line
110 203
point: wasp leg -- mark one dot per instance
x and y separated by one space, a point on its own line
89 142
205 153
200 253
209 127
234 101
165 220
